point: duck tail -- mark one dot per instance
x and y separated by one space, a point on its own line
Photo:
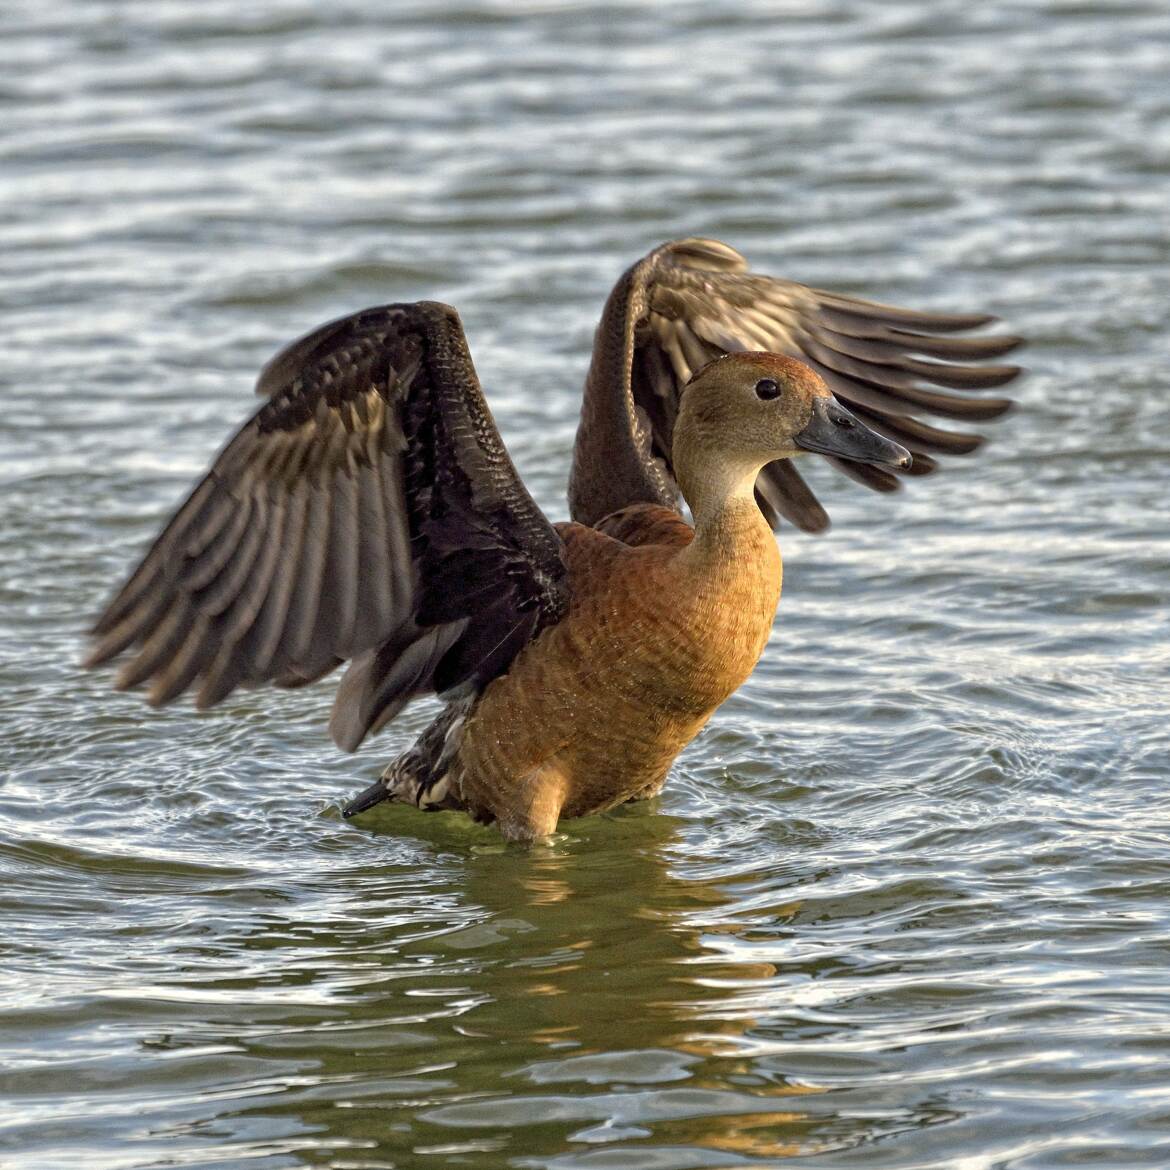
421 775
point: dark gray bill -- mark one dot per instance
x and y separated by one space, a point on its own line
832 430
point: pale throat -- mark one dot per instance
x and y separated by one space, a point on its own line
721 496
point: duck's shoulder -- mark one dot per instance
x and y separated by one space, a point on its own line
627 549
639 525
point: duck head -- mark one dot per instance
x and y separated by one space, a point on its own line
747 409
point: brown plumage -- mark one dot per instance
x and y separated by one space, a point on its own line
600 705
369 511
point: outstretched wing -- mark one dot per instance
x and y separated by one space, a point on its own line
368 510
692 300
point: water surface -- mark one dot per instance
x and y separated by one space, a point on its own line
905 902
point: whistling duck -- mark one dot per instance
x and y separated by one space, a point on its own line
369 511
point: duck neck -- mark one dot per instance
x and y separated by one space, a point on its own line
731 533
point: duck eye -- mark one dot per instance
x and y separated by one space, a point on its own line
767 388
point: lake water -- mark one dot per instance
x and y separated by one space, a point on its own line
904 904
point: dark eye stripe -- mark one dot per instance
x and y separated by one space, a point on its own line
767 388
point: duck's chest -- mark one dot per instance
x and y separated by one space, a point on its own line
658 631
697 634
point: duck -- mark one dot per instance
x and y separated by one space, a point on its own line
368 512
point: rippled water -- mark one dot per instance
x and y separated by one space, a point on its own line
904 904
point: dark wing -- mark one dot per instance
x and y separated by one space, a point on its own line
692 300
368 510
